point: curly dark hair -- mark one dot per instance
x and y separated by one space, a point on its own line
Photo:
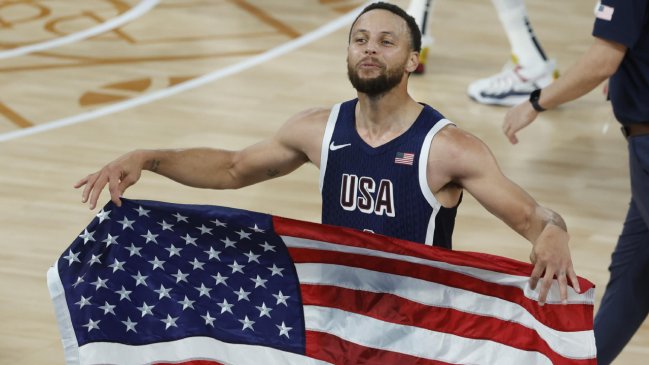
415 33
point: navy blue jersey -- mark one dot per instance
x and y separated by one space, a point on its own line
627 22
382 189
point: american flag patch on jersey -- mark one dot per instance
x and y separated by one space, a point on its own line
404 158
604 12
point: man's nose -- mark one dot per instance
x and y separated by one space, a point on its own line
370 48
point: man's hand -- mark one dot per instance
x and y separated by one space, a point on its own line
518 118
551 257
119 175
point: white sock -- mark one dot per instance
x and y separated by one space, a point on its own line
525 47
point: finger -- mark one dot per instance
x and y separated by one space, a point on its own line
536 276
115 193
96 190
574 280
511 135
563 286
546 284
125 184
81 182
90 183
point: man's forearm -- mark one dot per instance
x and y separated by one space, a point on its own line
197 167
600 61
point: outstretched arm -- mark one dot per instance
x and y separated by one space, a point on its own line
468 162
293 145
598 63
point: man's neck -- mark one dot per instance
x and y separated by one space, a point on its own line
379 119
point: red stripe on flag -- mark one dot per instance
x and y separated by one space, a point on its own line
333 349
356 238
571 317
395 309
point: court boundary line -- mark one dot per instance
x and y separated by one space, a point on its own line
190 84
139 10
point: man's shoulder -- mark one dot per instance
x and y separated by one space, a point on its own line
453 142
305 127
312 115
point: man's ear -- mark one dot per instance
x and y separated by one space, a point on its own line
413 62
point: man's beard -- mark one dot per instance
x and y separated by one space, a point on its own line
378 85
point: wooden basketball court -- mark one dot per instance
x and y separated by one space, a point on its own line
66 109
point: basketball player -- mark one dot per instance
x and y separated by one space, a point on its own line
388 164
529 69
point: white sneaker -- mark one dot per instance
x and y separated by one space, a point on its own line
512 85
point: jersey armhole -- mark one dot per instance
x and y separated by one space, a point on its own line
423 180
326 139
423 162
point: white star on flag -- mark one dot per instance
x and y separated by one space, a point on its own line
219 223
100 283
204 230
228 242
142 212
150 237
189 240
247 323
209 320
283 330
87 236
103 215
139 279
225 306
72 257
281 298
243 235
130 326
169 321
83 301
166 226
91 325
180 218
220 279
263 310
108 308
110 240
126 223
163 292
146 309
157 263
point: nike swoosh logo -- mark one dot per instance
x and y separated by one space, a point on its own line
333 147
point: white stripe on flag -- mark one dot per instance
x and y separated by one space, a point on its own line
192 348
574 345
68 337
415 341
521 282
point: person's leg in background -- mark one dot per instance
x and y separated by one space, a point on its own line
625 303
422 11
530 69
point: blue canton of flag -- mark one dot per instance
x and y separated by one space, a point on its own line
141 276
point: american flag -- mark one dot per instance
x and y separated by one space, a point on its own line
161 283
404 158
604 12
